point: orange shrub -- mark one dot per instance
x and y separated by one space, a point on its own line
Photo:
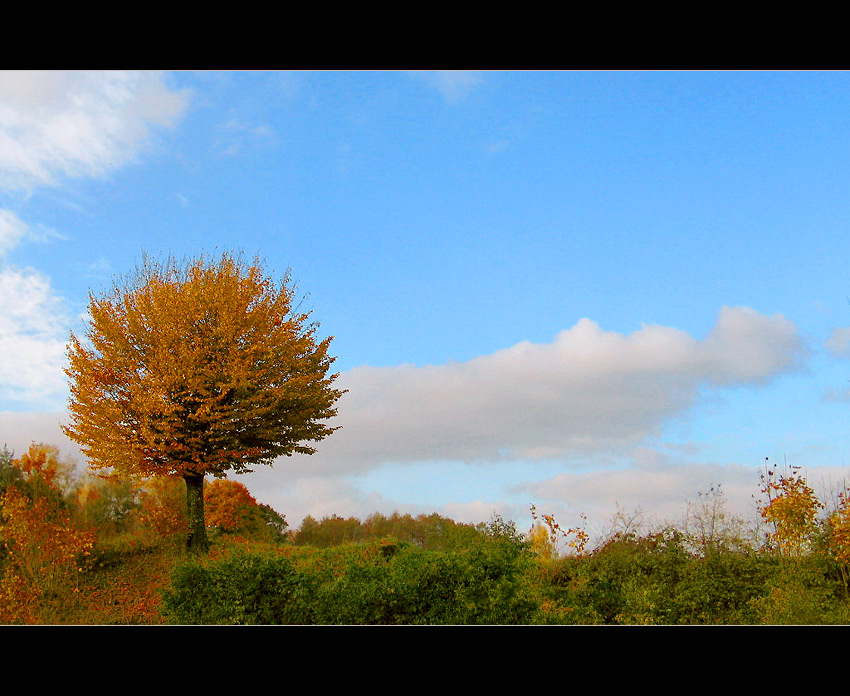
43 547
230 507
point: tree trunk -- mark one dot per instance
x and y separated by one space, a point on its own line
196 539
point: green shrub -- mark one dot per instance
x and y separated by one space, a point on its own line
243 589
656 580
416 586
384 582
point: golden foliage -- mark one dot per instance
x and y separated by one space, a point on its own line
197 368
547 536
791 509
43 547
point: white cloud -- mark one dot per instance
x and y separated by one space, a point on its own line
747 347
53 125
12 231
653 483
57 124
587 391
33 334
234 136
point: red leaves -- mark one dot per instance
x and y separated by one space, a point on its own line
230 507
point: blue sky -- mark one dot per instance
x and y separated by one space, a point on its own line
589 291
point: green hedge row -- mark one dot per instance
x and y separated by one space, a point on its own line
498 580
654 580
377 584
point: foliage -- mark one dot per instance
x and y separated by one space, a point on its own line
243 589
839 529
198 369
541 542
108 504
9 473
40 471
431 531
231 507
791 508
274 525
709 527
42 547
546 536
804 590
655 579
329 531
379 582
162 507
109 550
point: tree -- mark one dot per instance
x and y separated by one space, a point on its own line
198 368
709 527
231 507
838 535
791 508
546 536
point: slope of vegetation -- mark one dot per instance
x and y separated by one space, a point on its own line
80 550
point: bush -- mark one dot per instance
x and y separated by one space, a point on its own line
655 580
416 586
383 582
244 589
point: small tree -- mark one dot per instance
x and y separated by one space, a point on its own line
708 526
198 369
546 536
791 508
231 507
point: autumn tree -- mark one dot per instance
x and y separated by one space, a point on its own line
791 508
231 507
198 368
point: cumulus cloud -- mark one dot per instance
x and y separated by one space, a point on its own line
587 391
56 124
33 327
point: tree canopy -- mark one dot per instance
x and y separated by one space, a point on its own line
198 368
